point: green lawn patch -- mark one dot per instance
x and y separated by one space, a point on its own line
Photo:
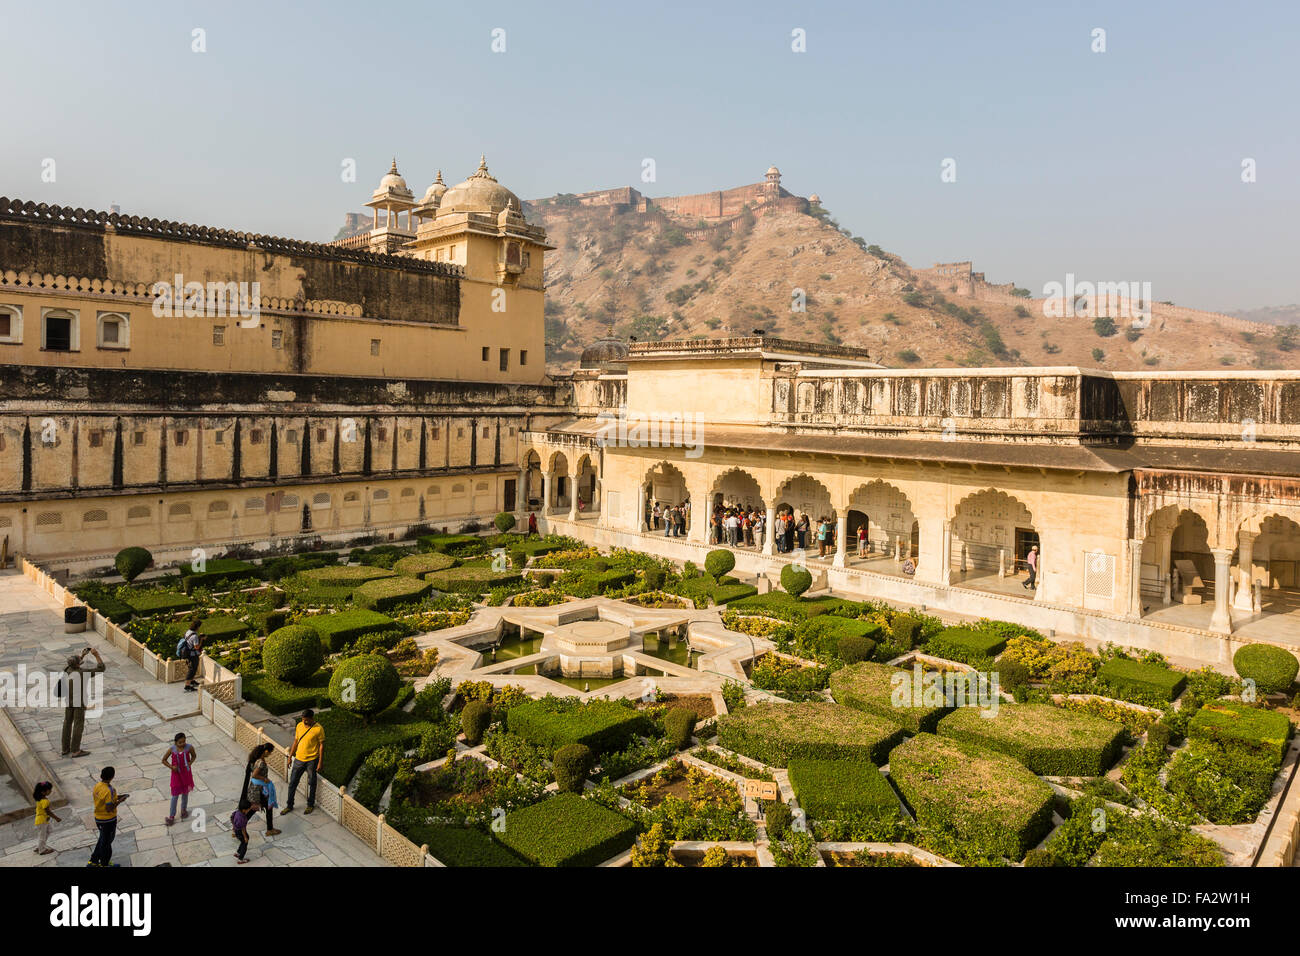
158 602
870 687
567 830
986 799
552 722
831 789
1048 740
277 697
340 629
461 846
1136 681
778 733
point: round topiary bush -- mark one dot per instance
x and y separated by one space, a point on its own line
292 653
1271 668
719 562
854 648
795 580
131 561
680 724
474 720
365 684
504 521
572 764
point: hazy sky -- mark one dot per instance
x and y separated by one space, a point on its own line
1121 165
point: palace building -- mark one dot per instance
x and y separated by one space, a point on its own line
178 386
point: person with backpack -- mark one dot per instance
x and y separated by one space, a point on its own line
308 751
180 758
72 688
190 648
239 824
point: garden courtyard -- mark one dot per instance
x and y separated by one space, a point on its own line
514 701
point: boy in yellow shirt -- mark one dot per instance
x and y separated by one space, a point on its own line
106 800
43 814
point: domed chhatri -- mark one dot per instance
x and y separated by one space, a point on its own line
480 193
437 189
393 185
604 353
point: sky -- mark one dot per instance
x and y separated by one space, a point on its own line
1122 164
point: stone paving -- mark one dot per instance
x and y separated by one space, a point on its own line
139 719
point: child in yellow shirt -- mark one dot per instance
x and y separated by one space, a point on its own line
43 814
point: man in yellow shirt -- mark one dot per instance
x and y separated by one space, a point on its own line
106 800
307 752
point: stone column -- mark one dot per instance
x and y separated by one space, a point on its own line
573 497
546 493
640 509
1221 622
521 492
698 528
944 575
1168 566
1245 598
769 531
841 538
1135 577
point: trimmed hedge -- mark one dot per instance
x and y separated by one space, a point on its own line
293 653
419 565
474 719
106 605
215 572
342 576
572 764
462 846
365 684
277 697
472 580
870 687
820 637
554 722
785 607
222 627
1048 740
778 733
985 798
1231 723
1134 680
1273 669
387 593
966 644
459 545
158 602
339 630
829 788
567 830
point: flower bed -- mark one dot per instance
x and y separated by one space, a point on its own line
870 687
983 798
777 733
820 636
567 830
829 789
1046 739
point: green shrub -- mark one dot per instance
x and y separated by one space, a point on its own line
1271 668
216 571
1233 724
461 846
474 720
1159 734
420 565
820 637
341 576
777 733
778 817
267 621
854 648
376 773
872 688
131 561
365 684
387 593
277 697
553 722
795 580
473 580
654 578
572 764
105 602
293 653
1141 682
967 645
339 630
680 724
460 545
1011 675
987 800
1050 741
719 561
1227 785
504 521
905 630
831 789
567 830
1147 840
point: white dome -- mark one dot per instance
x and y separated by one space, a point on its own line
480 193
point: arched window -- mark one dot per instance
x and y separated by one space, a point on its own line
433 491
59 330
408 492
218 507
49 519
178 512
114 330
138 513
95 516
351 496
380 495
289 501
11 324
321 500
254 504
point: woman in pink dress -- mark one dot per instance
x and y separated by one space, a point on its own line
180 758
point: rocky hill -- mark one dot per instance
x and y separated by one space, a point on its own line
652 275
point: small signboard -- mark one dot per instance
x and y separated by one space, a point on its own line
761 789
